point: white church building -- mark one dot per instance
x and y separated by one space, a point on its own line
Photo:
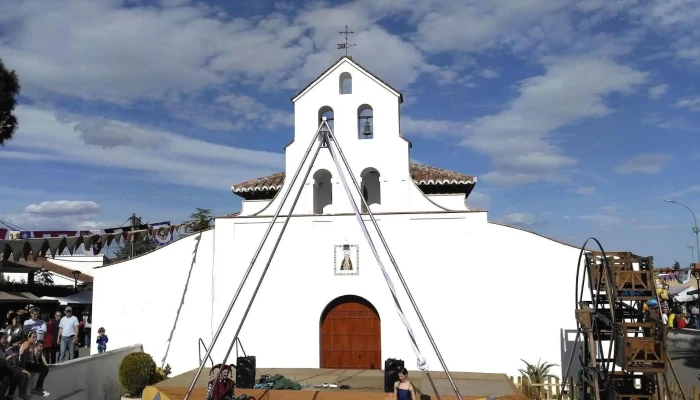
490 294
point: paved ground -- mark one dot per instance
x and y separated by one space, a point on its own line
684 351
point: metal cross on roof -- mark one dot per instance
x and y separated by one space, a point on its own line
345 45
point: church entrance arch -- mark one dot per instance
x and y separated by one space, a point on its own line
350 334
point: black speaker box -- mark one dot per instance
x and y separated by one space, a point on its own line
392 367
245 372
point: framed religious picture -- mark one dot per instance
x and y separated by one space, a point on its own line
346 259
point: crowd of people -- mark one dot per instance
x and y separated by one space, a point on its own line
32 340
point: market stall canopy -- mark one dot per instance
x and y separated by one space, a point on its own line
685 294
9 297
78 298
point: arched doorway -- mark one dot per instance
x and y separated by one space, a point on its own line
351 334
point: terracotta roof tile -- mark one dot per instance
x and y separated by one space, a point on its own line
45 263
422 175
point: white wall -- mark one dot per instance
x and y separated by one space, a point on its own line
94 378
83 263
465 274
148 298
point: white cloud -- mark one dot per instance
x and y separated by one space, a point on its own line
161 155
519 139
643 163
692 103
489 73
605 216
479 201
588 191
519 219
63 208
656 92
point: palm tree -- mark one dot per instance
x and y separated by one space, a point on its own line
537 374
9 89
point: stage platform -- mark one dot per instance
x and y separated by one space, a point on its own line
362 384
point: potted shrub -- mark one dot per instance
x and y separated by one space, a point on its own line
136 371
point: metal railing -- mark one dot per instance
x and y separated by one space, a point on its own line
202 345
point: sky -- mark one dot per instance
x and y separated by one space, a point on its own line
578 117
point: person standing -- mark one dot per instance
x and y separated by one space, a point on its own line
102 340
68 335
35 324
53 346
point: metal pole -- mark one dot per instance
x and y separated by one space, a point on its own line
252 263
396 268
272 254
696 231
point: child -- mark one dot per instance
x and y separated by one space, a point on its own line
102 340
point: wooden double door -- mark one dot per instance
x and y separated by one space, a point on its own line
351 335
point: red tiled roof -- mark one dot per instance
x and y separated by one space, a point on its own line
45 263
422 175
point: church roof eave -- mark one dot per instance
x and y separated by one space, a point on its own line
423 176
356 65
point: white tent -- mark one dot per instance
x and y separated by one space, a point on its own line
685 295
78 298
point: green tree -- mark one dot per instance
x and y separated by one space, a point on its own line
43 277
9 89
199 221
536 374
142 245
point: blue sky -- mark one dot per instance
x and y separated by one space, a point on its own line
578 117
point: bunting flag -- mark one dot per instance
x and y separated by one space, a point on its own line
38 243
683 276
162 233
42 234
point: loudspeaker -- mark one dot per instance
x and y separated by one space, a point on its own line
245 372
392 367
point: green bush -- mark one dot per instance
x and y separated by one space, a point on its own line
136 371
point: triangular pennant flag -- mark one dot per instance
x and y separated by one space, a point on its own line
117 237
87 242
17 246
36 245
44 249
72 242
125 233
26 251
132 236
106 239
6 251
56 245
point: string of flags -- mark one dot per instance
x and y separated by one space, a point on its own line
20 244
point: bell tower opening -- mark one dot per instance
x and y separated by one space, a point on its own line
371 187
345 83
365 122
323 190
325 111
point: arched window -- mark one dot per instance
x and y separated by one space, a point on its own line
327 112
345 83
323 190
365 122
371 187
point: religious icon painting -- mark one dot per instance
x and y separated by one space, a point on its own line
346 259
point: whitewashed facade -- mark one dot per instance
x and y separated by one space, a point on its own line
490 294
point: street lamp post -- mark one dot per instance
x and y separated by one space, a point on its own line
695 227
76 274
